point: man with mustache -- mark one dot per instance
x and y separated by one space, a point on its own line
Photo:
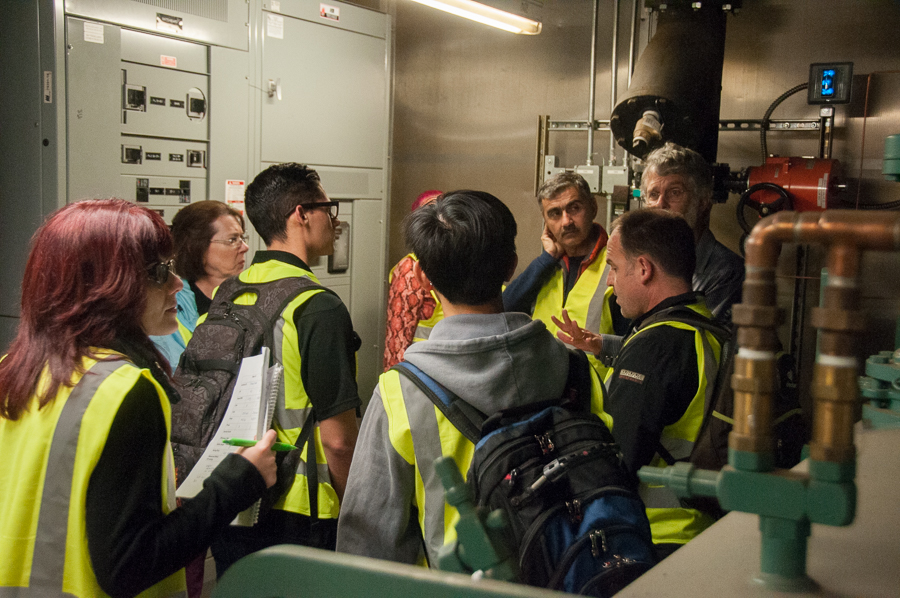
570 274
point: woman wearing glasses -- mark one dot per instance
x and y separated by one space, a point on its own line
210 246
87 506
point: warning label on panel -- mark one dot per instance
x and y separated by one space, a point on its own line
275 26
234 195
93 32
330 12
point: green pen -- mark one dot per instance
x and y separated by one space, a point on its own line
278 446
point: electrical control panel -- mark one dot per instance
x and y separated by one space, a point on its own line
166 102
137 126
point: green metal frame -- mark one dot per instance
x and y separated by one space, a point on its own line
298 571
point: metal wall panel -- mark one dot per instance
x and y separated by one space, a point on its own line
332 109
168 93
152 49
199 25
229 119
94 77
22 126
349 17
367 279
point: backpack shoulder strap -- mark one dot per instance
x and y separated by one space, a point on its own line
271 299
272 296
726 338
685 315
464 417
578 389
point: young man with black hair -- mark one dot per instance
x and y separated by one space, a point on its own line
316 344
394 504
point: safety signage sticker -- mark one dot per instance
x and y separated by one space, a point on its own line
329 12
275 26
93 32
234 194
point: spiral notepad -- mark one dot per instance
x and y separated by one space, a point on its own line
249 415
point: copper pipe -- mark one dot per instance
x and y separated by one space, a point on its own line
846 233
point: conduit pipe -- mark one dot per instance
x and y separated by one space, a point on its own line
593 83
614 77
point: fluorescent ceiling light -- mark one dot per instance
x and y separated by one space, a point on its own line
486 15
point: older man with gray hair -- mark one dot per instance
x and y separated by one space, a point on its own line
679 179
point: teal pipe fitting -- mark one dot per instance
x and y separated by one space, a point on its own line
683 479
891 167
747 461
753 492
480 543
786 502
783 555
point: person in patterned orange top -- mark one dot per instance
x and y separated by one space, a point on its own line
412 310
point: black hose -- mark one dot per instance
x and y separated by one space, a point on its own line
891 205
765 119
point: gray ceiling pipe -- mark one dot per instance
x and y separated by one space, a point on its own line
676 88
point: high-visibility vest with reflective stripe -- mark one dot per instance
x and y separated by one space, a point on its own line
49 455
420 433
293 405
424 327
587 302
669 521
185 333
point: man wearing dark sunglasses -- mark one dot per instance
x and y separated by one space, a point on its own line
315 342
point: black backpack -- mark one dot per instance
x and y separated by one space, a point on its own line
711 447
576 520
208 368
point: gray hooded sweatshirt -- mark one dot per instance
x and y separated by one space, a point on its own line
493 362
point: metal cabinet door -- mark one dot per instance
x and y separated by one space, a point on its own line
333 93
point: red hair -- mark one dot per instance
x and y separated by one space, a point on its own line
85 284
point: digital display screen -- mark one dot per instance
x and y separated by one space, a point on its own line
830 83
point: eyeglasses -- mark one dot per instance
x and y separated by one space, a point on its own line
232 242
159 273
333 207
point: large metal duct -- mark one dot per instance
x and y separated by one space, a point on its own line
675 91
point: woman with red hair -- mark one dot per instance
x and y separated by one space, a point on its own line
87 507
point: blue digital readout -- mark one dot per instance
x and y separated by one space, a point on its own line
828 82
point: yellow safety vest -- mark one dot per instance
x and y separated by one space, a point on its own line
585 303
185 333
424 327
49 455
294 405
671 523
420 433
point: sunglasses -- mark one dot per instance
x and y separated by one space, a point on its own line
333 207
159 272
